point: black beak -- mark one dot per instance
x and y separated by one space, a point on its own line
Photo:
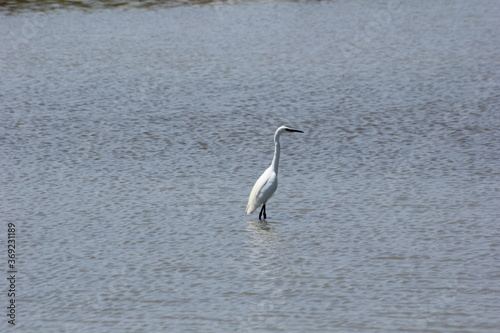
294 130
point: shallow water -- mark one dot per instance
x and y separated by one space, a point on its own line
131 139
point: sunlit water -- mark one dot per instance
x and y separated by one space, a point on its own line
131 139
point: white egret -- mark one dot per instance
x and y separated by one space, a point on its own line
267 183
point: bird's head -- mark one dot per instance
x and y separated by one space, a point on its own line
286 129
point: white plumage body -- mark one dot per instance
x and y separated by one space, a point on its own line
263 190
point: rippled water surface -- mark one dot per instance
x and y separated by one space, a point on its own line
131 138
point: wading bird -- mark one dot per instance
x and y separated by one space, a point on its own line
267 183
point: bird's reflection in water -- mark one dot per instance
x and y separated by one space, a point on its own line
272 262
264 236
257 226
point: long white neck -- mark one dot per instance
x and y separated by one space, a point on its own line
276 159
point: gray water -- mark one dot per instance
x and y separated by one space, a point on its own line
131 138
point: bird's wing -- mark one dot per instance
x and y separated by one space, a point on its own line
268 189
262 190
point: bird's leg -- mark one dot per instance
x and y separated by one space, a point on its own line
262 210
